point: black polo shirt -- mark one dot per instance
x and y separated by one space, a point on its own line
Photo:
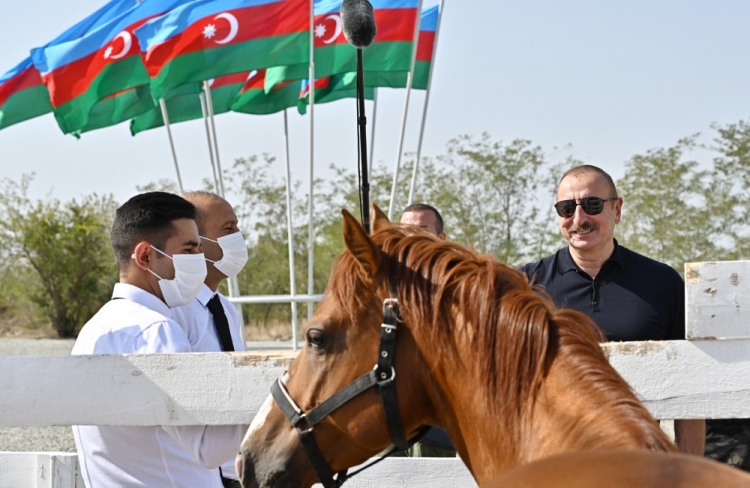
633 298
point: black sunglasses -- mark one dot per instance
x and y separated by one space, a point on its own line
590 205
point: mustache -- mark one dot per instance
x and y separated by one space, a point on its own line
583 228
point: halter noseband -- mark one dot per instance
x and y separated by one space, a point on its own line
381 377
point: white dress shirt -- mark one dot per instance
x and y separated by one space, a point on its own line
136 321
198 323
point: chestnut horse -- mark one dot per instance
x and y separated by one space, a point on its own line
480 353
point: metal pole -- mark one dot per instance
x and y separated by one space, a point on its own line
210 105
311 225
233 284
202 97
165 116
372 134
409 80
290 234
426 104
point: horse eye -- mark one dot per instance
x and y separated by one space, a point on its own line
315 338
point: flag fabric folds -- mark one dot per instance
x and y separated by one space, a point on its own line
253 99
390 51
102 63
330 89
23 95
211 38
184 102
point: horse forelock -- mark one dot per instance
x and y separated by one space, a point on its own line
484 316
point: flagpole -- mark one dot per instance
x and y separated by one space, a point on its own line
204 110
311 226
372 133
165 116
409 80
233 284
426 104
210 105
290 233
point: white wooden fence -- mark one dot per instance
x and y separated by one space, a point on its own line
707 376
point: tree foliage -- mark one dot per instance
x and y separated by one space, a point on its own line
65 246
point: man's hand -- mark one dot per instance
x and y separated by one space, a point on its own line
690 436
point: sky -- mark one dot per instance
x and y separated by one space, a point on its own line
599 81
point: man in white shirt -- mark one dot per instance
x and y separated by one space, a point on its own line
226 253
156 244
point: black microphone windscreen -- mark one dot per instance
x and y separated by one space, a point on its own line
358 21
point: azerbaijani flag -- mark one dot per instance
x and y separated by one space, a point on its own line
330 89
104 62
390 51
425 48
212 38
118 108
23 96
253 99
184 102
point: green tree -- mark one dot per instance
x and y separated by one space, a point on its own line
66 244
728 196
664 211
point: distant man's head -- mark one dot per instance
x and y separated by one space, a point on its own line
589 208
216 219
425 216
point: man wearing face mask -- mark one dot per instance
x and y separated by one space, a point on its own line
210 321
156 244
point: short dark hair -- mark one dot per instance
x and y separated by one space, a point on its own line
587 169
148 217
423 207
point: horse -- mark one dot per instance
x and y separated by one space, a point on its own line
524 390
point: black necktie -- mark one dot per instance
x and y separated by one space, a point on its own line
221 323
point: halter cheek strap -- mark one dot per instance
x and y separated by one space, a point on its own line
381 378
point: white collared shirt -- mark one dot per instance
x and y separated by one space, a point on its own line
198 324
135 321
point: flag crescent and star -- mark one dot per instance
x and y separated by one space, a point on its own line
337 31
127 39
234 27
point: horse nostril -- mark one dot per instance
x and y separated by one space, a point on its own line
238 465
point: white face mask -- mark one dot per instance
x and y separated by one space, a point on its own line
189 274
234 248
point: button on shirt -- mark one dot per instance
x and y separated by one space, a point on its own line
198 324
633 298
136 321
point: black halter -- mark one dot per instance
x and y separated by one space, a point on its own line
381 377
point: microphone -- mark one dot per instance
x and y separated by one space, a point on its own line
358 21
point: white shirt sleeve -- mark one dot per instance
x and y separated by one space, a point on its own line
210 445
162 337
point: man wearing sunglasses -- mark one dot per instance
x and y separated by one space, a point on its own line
629 296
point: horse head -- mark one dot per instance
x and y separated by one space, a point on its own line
341 345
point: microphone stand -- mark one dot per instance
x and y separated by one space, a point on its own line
364 188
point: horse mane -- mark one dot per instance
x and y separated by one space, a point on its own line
512 327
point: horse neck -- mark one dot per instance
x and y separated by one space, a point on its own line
572 412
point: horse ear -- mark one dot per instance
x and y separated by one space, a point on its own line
360 245
379 219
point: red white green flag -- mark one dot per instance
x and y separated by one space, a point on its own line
23 95
211 38
102 63
390 51
253 99
184 102
330 89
